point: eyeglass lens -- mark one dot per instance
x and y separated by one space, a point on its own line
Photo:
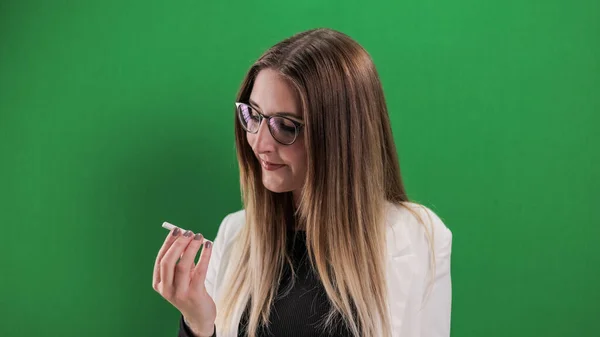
282 129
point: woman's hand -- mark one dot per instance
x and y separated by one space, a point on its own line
182 282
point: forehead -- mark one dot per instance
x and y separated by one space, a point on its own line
273 93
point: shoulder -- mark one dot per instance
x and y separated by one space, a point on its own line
233 222
230 226
234 219
408 225
415 226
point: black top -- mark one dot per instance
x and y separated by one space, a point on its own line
302 311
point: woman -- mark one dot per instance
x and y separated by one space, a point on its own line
328 243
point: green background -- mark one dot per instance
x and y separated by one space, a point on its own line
117 115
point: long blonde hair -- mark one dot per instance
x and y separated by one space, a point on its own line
352 171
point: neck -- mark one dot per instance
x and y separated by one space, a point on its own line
297 196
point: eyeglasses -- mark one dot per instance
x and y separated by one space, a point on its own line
283 129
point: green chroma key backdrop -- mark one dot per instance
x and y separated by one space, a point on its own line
117 115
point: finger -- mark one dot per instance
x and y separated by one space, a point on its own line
171 237
167 264
199 273
186 264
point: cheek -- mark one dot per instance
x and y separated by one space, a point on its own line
296 155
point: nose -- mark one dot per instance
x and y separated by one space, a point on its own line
262 141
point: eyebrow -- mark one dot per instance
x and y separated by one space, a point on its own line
286 114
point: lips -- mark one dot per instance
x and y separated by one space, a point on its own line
270 166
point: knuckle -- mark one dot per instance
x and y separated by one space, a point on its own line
180 267
167 294
164 264
160 288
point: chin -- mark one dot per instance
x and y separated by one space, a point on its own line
277 188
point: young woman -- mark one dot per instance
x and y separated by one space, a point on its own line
328 243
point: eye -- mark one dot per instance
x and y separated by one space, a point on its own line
283 125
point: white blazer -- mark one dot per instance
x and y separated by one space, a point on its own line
413 314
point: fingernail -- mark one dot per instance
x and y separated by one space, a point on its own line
208 244
176 232
198 236
187 234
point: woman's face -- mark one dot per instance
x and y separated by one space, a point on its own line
283 166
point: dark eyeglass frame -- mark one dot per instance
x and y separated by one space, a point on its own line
297 125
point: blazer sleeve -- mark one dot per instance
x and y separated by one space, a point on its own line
436 308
